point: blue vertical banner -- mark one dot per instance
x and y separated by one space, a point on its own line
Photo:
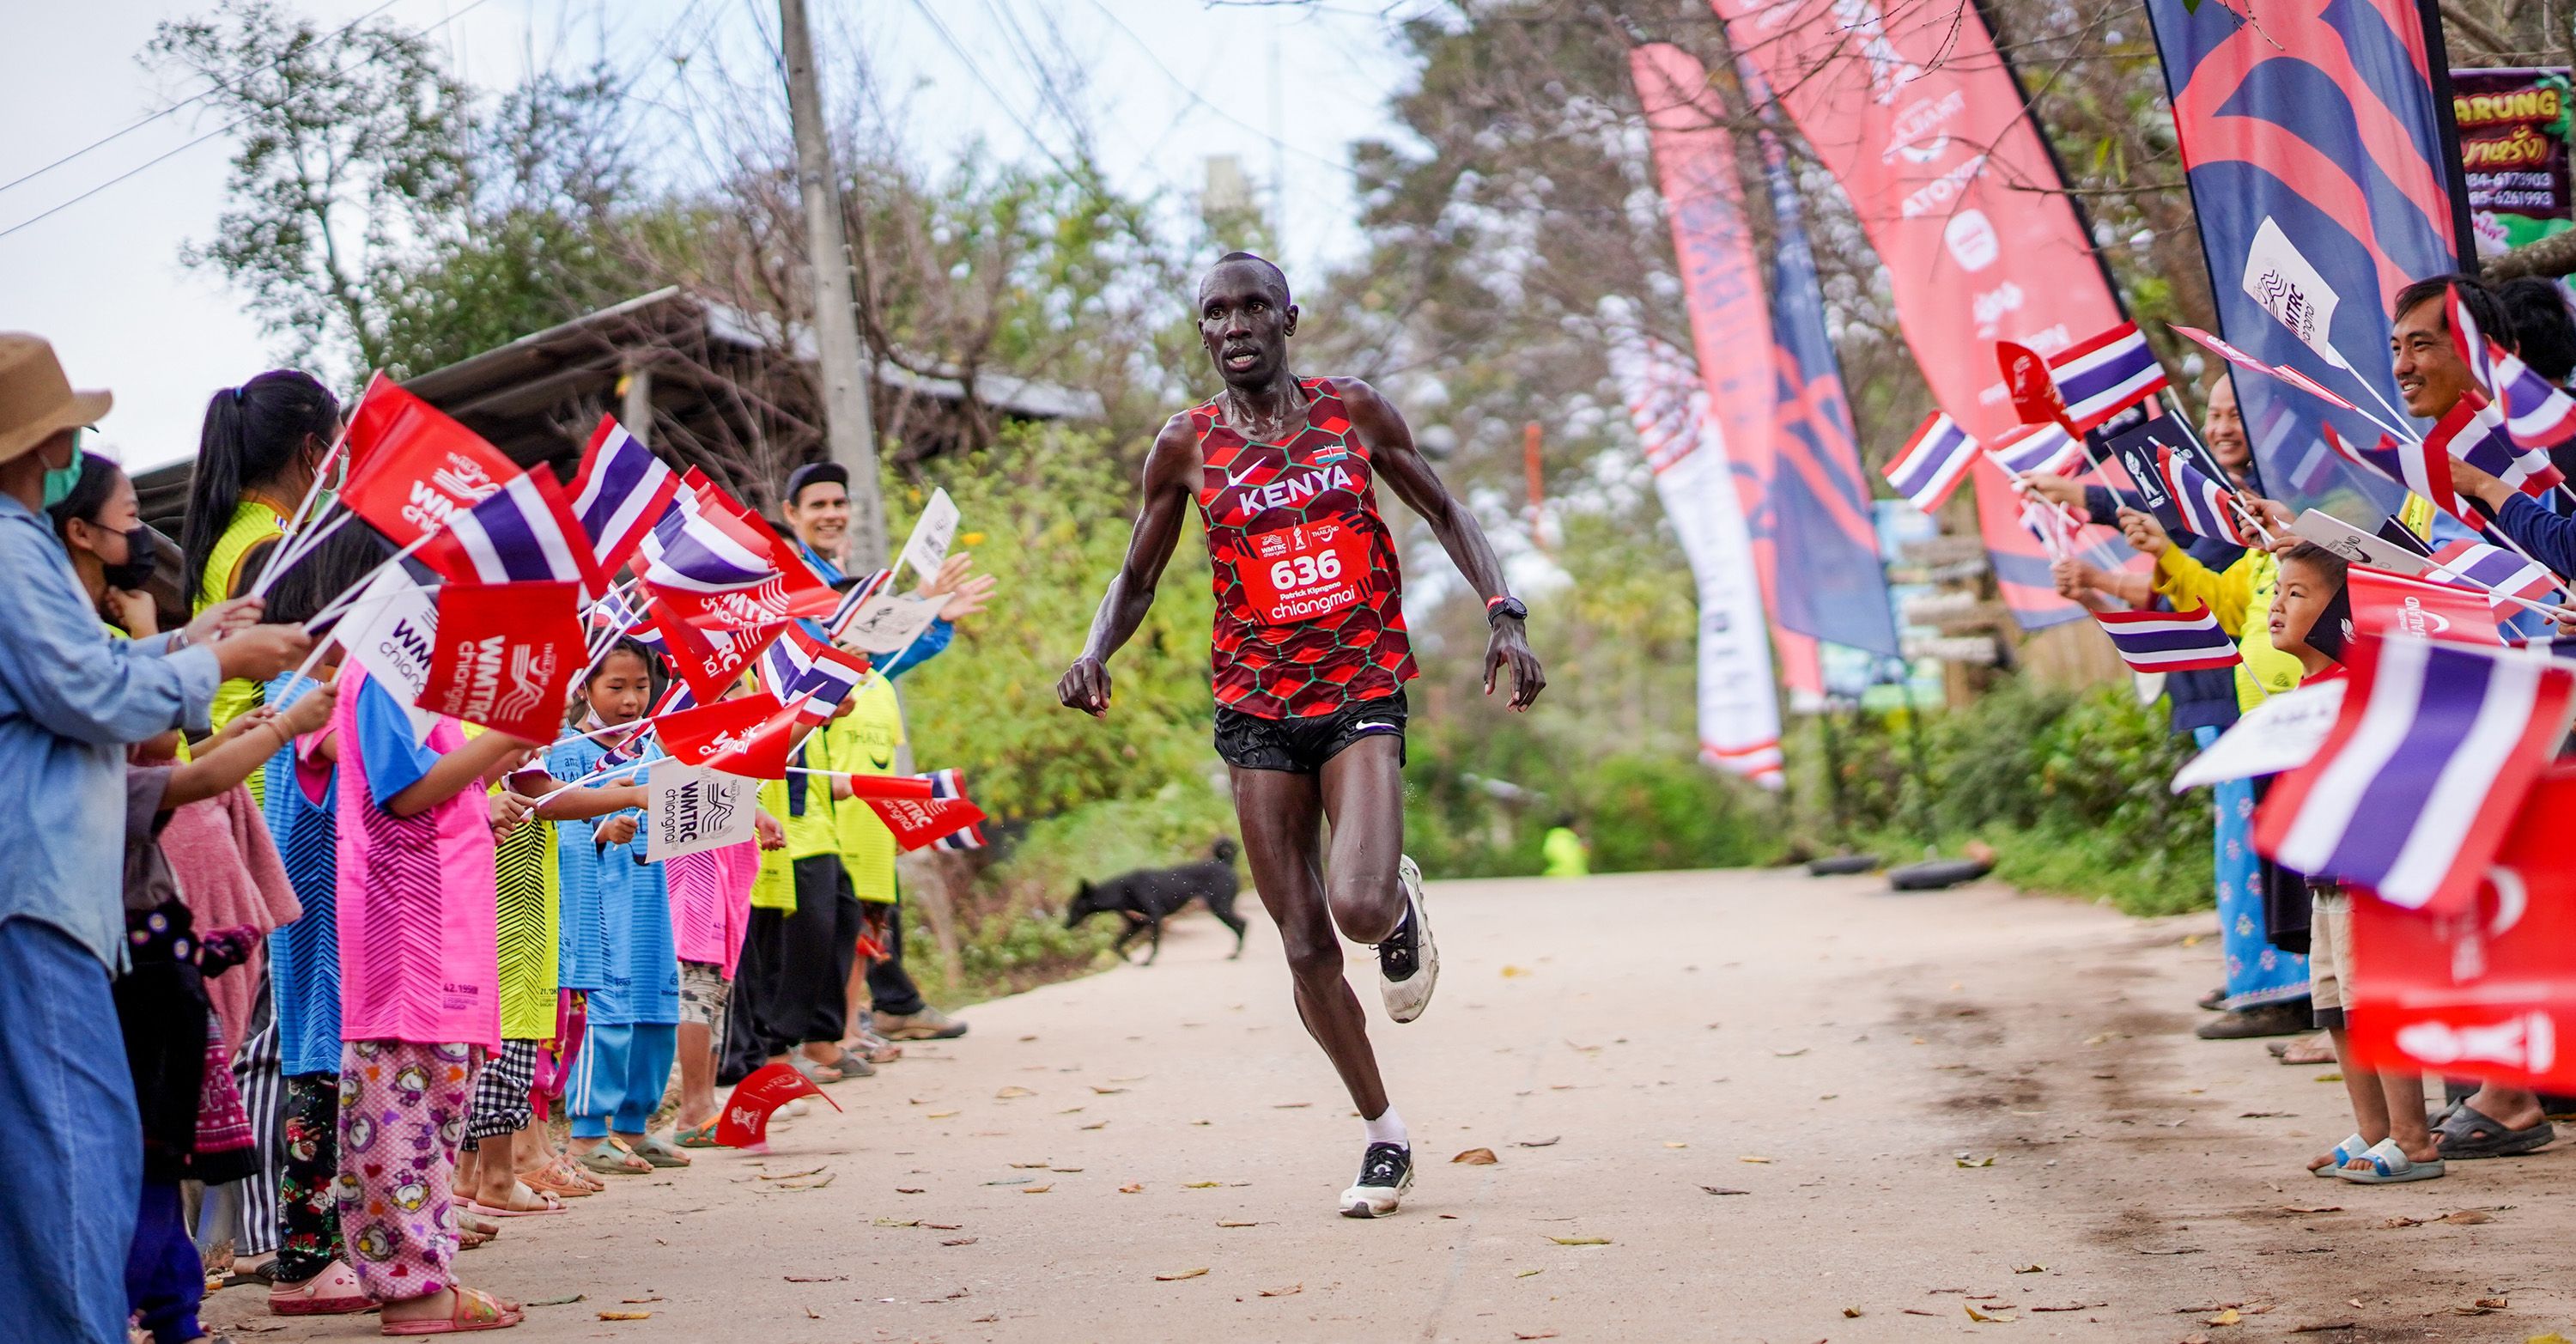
2315 137
1832 584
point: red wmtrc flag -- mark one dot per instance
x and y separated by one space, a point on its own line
745 1122
506 655
762 753
2030 385
410 466
697 736
787 595
2393 604
711 661
940 810
2489 992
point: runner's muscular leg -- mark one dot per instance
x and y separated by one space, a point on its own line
1282 817
1363 789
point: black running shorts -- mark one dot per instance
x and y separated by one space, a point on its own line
1301 746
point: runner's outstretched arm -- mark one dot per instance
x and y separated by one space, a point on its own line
1171 475
1395 459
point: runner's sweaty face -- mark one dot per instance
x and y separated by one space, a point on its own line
1245 320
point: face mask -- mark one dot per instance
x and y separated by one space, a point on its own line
141 550
61 481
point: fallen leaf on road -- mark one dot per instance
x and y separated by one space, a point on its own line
1014 1180
2329 1077
1107 1091
1099 1125
625 1315
1014 1090
1515 972
557 1301
2074 1306
1676 1143
1723 1190
908 1189
1851 1313
943 1227
793 1175
1061 1171
1547 1142
1292 1105
958 1241
2480 1307
1757 1161
1235 1222
1910 1311
637 1301
808 1185
1131 1189
2176 1250
1175 1278
1976 1315
1037 1189
1792 1054
2400 1220
2030 1269
817 1278
1029 1166
2231 1316
2261 1115
2468 1217
1533 1334
2553 1337
1580 1241
1201 1185
1527 1272
898 1222
1987 1161
1290 1291
2322 1327
1070 1110
1475 1157
939 1115
2314 1208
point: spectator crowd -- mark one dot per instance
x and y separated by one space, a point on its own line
2287 940
296 976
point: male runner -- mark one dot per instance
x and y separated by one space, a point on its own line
1310 659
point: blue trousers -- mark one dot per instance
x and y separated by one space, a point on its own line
619 1076
164 1278
71 1142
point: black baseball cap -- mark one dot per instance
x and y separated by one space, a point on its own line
815 473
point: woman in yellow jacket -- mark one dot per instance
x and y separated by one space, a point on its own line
261 445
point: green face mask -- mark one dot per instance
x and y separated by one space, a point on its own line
60 481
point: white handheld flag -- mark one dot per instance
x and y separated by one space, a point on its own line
888 623
689 808
391 630
928 545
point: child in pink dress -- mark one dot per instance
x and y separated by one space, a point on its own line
419 996
710 906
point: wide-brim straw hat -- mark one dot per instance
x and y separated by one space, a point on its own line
36 399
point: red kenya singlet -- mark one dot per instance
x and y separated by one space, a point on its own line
1309 616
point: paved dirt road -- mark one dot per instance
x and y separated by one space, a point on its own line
1825 1052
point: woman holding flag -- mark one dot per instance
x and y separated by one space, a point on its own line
263 446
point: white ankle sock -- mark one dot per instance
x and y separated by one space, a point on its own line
1388 1128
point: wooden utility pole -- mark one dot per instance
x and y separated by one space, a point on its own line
849 429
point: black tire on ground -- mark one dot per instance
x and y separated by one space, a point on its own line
1835 865
1936 874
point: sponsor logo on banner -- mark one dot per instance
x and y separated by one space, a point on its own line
505 654
1971 239
1918 132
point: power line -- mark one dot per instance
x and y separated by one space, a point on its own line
1195 98
200 96
229 126
998 101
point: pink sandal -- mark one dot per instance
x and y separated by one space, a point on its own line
333 1292
473 1311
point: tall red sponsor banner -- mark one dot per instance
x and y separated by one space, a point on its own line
1916 116
1730 323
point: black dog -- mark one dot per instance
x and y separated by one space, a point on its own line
1148 896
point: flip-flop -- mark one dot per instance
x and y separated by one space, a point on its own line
2468 1133
2343 1152
474 1310
546 1201
652 1149
698 1136
547 1181
2389 1165
614 1158
568 1173
814 1073
333 1292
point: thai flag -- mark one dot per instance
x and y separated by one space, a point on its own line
2168 641
2036 450
2474 432
2106 375
2208 508
2436 747
787 662
698 550
2501 572
2387 458
949 784
2223 350
1933 462
828 681
520 533
621 491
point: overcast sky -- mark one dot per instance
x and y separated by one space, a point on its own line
1170 82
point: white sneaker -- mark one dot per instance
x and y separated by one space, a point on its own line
1408 965
1386 1172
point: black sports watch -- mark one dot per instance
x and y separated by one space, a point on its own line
1502 607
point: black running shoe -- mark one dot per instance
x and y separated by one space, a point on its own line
1386 1172
1408 964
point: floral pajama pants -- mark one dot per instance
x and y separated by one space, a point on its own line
402 1116
308 1221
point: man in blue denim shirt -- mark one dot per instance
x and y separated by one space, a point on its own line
71 1153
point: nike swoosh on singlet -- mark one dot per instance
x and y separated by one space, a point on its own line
1234 479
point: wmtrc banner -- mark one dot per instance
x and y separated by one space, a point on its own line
1916 116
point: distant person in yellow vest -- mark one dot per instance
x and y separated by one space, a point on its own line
261 445
1564 851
